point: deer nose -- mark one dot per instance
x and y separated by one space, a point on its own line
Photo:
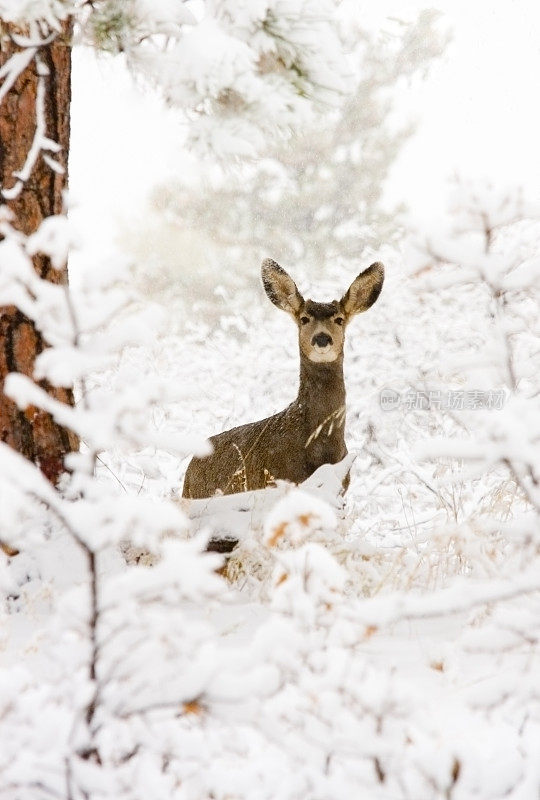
321 340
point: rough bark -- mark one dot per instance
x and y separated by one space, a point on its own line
33 432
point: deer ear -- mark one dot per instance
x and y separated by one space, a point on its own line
364 290
280 287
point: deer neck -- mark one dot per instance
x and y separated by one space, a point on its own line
321 393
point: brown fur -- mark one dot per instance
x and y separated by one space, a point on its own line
293 443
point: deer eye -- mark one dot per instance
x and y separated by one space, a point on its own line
339 320
304 320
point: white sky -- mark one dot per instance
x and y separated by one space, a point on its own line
478 114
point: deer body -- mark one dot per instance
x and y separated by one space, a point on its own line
293 443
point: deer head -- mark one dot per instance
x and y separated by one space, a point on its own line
321 326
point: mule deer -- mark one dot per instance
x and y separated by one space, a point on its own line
292 444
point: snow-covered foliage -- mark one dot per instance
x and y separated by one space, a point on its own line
315 197
46 13
262 68
491 249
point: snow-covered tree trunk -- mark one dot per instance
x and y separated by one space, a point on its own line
34 117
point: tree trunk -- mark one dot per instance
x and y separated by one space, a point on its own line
33 432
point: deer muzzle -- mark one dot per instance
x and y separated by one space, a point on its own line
321 340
